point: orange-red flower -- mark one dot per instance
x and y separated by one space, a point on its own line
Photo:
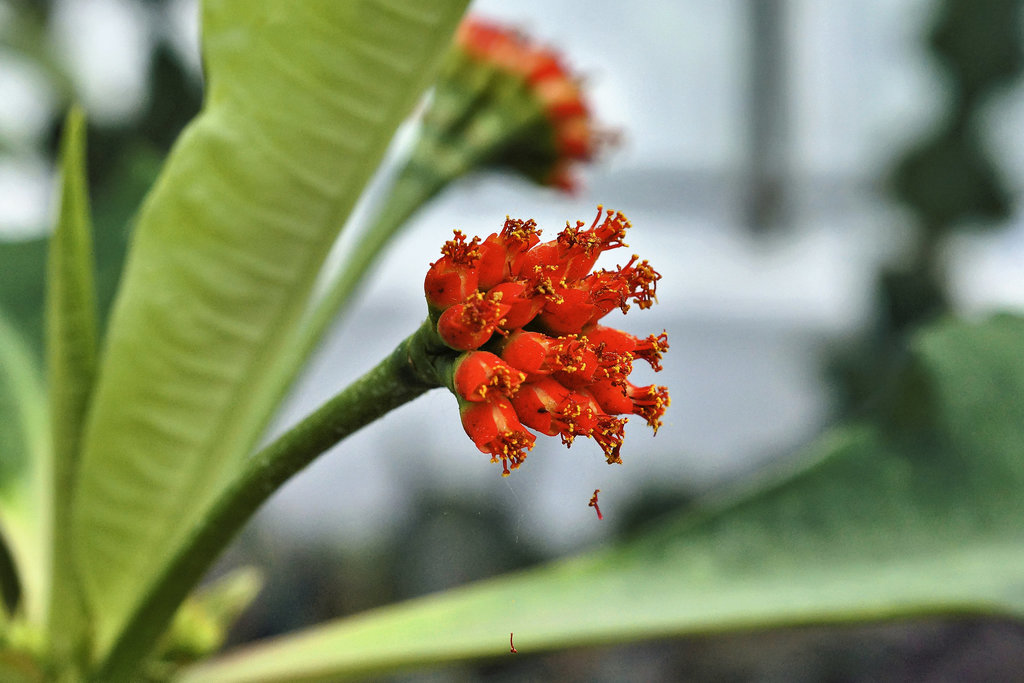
468 325
495 429
479 374
534 356
454 276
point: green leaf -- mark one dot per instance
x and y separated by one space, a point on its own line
302 100
25 470
202 623
918 515
71 340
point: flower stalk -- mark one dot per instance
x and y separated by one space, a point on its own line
412 369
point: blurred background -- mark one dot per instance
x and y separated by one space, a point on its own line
813 179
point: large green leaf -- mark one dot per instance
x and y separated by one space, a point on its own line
302 100
917 515
25 469
71 339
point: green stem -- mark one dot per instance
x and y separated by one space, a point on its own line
409 371
411 191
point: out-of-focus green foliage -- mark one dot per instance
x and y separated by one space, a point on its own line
947 179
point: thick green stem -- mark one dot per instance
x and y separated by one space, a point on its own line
409 371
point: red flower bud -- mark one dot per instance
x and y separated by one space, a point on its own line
649 403
495 429
453 277
548 407
611 397
537 403
649 349
582 416
529 352
499 250
479 374
524 305
570 312
538 354
611 289
571 256
469 325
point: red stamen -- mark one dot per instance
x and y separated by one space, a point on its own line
459 251
649 403
593 504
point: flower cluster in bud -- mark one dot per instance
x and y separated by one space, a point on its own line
524 317
549 82
503 101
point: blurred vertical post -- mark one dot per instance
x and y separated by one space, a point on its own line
765 201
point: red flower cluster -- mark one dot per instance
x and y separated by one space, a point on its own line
547 79
525 313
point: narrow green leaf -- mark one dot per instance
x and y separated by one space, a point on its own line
302 100
921 515
71 332
25 470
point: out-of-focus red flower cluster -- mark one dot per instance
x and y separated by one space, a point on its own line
526 314
548 80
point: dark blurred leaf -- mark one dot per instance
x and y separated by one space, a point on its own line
114 211
948 180
915 515
980 42
174 99
22 274
9 587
